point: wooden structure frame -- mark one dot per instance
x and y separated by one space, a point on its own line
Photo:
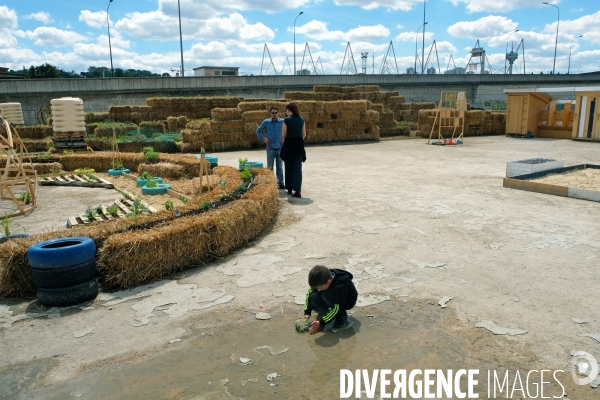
14 175
537 111
451 113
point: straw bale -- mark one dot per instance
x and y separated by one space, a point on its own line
327 89
423 105
474 117
297 96
370 116
394 131
349 115
36 145
172 124
158 125
250 105
182 121
386 119
347 89
227 126
43 168
163 169
396 101
226 114
356 105
334 107
106 130
91 117
257 116
250 128
377 107
337 124
200 125
366 88
161 146
33 132
191 136
311 125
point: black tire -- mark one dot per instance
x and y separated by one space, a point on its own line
61 277
68 296
61 252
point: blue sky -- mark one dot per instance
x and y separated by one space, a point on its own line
145 33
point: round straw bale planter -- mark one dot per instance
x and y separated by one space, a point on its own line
143 182
160 188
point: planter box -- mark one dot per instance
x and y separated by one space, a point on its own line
532 165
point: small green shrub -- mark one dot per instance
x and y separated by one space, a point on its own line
146 176
151 183
241 187
169 205
205 205
113 210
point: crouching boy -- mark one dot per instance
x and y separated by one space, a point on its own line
331 293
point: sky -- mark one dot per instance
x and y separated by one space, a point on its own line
144 34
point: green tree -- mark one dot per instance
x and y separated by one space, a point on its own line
43 71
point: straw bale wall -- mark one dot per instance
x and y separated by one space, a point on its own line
327 89
91 117
135 114
477 122
36 145
106 130
32 132
191 107
226 114
366 88
131 254
44 168
158 125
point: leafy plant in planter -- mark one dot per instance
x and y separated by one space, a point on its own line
146 176
112 210
90 214
151 183
224 195
150 154
246 173
241 187
205 205
25 197
99 210
118 165
169 206
136 209
43 156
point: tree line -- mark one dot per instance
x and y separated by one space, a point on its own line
50 71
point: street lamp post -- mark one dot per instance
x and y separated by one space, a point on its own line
417 41
506 52
575 38
301 12
112 71
423 48
180 40
556 41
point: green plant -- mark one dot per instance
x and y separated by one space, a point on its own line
62 176
127 196
50 145
205 205
183 199
118 165
99 209
169 205
92 177
145 176
43 176
151 155
90 214
147 149
151 183
241 187
66 152
6 225
136 209
26 197
112 210
43 156
246 173
53 170
243 161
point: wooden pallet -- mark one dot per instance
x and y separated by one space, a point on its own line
61 142
74 180
122 204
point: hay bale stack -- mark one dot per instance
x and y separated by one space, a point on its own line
226 114
386 119
257 116
193 136
120 129
32 132
227 126
425 121
347 89
227 141
190 107
377 107
44 168
91 117
135 114
162 169
253 105
366 88
100 161
327 89
321 96
396 101
36 145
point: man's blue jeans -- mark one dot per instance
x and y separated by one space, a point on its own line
273 158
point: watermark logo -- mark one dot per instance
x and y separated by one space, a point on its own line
584 368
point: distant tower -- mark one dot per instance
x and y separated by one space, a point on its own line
511 57
363 56
477 52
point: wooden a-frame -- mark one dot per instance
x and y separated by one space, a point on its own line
14 177
450 113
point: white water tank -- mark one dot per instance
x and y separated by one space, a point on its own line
68 116
12 112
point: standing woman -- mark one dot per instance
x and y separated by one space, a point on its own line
293 153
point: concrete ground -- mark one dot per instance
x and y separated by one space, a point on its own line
413 223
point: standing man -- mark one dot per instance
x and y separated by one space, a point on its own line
272 127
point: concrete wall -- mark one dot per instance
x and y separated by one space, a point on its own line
99 94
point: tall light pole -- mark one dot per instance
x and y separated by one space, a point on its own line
112 71
575 38
506 52
417 41
180 40
423 51
556 42
301 12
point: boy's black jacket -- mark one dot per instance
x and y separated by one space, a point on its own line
334 297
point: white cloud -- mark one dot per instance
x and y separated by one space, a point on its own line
500 5
483 28
94 19
412 36
588 25
318 30
404 5
8 22
41 16
49 36
202 9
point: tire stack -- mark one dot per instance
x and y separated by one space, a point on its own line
12 112
64 271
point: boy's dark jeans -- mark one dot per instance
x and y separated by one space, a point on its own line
319 305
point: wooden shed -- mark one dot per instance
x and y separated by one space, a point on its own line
558 112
